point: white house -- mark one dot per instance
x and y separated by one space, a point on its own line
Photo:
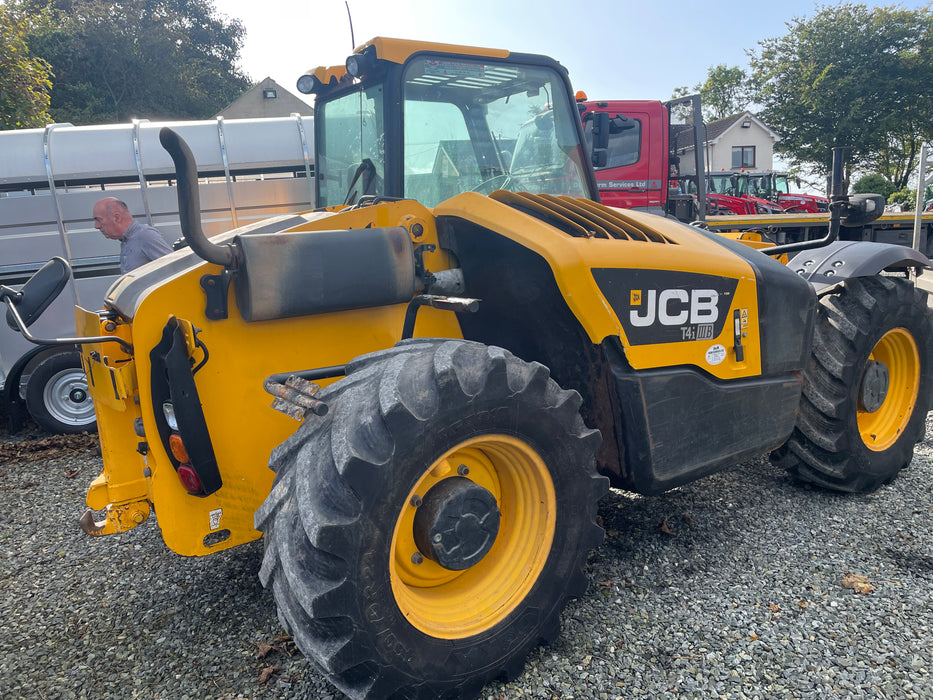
738 142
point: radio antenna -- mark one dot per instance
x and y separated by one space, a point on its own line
350 17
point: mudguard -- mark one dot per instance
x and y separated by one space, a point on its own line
842 260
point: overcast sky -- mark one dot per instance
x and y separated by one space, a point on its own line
613 48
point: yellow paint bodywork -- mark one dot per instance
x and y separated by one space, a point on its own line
572 259
398 51
242 426
121 490
815 222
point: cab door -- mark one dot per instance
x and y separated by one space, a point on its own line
634 174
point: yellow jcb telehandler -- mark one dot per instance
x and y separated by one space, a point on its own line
476 349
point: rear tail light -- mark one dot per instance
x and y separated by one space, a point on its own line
179 416
189 478
187 475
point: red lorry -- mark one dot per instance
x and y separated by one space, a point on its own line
643 161
637 157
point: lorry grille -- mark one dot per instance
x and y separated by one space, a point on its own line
580 218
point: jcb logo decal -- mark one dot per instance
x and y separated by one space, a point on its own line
663 306
675 307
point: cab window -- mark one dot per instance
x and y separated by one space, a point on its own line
471 124
624 146
351 147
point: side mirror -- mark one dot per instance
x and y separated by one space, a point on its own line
39 291
600 130
600 153
862 209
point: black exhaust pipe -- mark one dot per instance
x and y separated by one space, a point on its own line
189 202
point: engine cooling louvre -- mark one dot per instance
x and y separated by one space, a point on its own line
580 218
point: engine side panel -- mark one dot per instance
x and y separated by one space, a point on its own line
681 346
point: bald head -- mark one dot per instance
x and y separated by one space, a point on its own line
112 217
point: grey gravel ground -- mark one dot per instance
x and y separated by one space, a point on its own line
742 597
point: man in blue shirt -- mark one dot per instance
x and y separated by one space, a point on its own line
139 243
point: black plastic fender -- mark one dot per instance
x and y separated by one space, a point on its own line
842 260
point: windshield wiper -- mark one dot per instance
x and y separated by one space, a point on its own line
366 171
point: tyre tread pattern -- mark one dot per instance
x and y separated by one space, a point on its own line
825 447
313 533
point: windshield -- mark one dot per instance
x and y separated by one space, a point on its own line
721 184
781 185
476 125
350 147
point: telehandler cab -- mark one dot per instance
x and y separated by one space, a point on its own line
476 348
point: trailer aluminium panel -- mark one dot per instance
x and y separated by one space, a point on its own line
50 179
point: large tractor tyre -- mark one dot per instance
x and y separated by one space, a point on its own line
867 387
424 535
57 395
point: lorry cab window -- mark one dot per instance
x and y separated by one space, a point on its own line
624 145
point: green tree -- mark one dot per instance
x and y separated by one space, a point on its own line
906 198
850 76
875 183
138 58
25 80
725 92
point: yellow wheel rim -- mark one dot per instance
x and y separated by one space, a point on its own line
898 351
456 604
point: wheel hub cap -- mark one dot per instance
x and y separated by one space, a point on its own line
874 388
457 523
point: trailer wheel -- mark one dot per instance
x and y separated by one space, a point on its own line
57 395
867 388
425 534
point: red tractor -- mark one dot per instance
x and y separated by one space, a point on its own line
727 193
775 186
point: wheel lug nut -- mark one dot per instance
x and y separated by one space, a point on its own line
416 558
463 470
415 501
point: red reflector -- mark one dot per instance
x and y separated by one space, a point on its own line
189 478
178 448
